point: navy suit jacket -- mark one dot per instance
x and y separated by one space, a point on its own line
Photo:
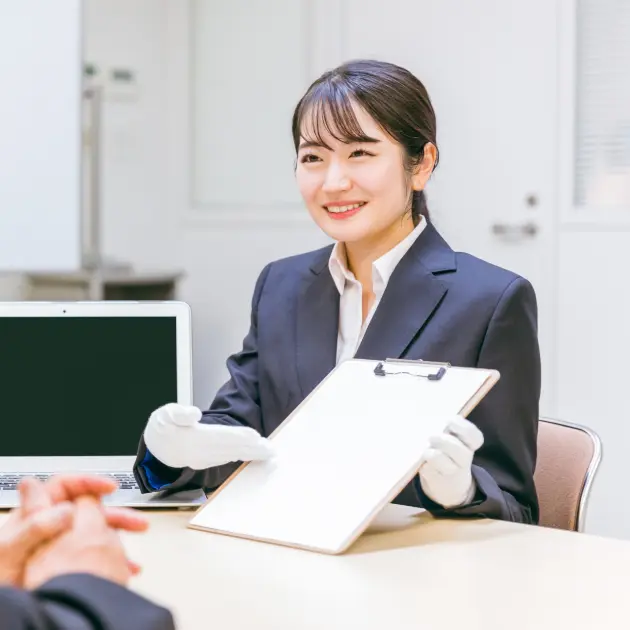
439 305
80 602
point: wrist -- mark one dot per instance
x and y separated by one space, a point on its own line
472 491
447 492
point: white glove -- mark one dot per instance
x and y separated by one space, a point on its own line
175 436
446 469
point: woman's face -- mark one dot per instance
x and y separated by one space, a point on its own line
356 191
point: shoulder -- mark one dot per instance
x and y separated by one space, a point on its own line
483 276
481 282
469 279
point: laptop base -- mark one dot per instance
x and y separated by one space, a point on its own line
188 499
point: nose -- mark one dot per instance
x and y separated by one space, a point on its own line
336 178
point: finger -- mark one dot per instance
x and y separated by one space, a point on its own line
89 517
213 456
437 463
125 519
68 487
466 431
262 450
454 448
33 496
229 437
181 415
41 527
254 445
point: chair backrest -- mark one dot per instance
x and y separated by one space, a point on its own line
568 457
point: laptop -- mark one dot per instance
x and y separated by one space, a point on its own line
78 382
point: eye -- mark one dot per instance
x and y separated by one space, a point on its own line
309 158
360 153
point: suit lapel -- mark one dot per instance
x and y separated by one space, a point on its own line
412 295
317 327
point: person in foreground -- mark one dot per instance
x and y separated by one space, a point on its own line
62 564
365 138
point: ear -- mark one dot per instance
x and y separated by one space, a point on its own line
423 170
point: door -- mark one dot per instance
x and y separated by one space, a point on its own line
490 70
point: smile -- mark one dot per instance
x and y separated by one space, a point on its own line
339 212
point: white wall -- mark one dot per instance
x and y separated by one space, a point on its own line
137 221
40 135
593 349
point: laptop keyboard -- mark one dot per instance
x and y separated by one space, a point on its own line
10 481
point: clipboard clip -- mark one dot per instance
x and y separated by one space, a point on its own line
380 370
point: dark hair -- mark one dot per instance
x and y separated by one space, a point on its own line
391 95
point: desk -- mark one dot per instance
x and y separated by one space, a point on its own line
409 572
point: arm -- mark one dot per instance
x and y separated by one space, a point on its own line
80 602
503 468
236 404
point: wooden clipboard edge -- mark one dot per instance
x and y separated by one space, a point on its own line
488 384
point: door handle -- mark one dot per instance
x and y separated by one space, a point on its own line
511 229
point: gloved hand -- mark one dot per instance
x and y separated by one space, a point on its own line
175 436
445 472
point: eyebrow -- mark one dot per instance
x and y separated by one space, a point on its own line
309 144
312 145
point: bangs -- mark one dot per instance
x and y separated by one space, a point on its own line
328 111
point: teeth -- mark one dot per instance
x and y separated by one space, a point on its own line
338 209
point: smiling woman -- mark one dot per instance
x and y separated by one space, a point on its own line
366 141
367 103
365 138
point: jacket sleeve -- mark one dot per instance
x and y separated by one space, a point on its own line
80 602
503 468
236 403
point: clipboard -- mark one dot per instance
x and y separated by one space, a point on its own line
343 454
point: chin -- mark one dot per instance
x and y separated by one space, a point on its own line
350 230
345 231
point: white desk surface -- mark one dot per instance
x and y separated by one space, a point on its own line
408 572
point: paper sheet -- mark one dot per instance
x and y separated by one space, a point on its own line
339 456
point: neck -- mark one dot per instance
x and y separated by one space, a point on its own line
361 254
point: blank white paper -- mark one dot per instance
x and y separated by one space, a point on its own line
340 455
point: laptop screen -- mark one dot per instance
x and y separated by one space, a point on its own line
75 386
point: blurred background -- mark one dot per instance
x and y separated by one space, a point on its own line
145 153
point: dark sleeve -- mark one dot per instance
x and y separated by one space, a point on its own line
503 468
80 602
236 403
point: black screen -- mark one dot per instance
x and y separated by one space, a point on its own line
82 385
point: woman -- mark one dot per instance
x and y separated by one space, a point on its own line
365 137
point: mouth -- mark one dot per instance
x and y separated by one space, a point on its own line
339 211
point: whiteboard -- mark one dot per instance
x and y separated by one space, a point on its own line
40 135
342 455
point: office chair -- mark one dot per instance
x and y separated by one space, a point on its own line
568 458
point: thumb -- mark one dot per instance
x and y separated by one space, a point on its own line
33 496
40 528
182 415
89 517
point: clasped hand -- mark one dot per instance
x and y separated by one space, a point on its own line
61 527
